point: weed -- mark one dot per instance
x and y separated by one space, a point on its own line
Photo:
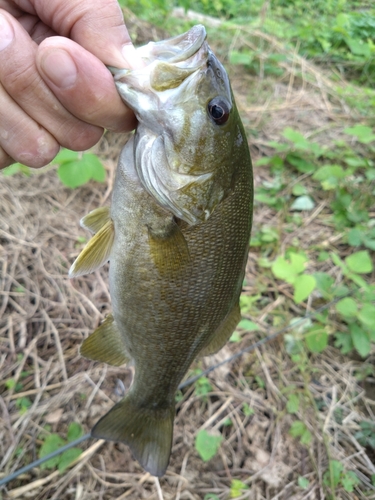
53 442
207 444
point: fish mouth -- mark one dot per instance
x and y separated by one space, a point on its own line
168 62
176 49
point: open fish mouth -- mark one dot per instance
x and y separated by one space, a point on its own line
176 49
169 62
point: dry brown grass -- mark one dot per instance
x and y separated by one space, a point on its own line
44 317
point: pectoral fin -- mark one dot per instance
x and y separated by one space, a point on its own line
222 334
105 344
96 252
96 219
168 248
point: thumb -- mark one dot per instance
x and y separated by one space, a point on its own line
96 25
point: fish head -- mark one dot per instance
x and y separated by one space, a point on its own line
188 124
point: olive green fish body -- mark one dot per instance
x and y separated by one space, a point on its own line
176 237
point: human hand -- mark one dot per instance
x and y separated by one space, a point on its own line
55 90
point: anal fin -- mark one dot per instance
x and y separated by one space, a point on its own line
222 334
96 252
105 344
96 219
168 248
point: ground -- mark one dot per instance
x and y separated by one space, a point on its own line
45 385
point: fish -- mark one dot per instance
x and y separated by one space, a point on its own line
176 237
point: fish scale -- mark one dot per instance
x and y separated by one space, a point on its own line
177 254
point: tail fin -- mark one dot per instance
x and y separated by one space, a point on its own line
148 432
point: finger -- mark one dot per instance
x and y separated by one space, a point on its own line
5 159
96 25
37 30
22 82
91 94
22 138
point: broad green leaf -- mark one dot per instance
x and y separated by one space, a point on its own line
349 480
347 307
317 339
306 437
324 283
65 155
210 496
364 134
207 444
75 431
303 482
361 340
358 47
296 137
11 170
344 342
360 262
68 457
262 161
235 337
355 237
326 171
303 286
237 487
297 428
367 315
97 171
335 469
247 411
298 262
72 174
342 19
329 176
244 58
302 165
292 405
303 203
52 443
248 325
299 190
283 269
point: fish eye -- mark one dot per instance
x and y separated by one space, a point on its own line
219 109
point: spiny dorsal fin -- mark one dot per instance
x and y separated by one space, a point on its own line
147 431
105 344
222 334
96 252
96 219
168 248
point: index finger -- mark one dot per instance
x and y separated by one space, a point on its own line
96 25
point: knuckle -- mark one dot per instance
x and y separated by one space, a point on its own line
82 137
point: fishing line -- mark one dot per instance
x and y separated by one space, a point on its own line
190 381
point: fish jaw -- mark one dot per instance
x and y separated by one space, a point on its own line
186 163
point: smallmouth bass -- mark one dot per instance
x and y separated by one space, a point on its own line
176 237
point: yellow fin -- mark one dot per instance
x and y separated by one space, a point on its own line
147 431
96 252
222 334
168 248
105 344
96 219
